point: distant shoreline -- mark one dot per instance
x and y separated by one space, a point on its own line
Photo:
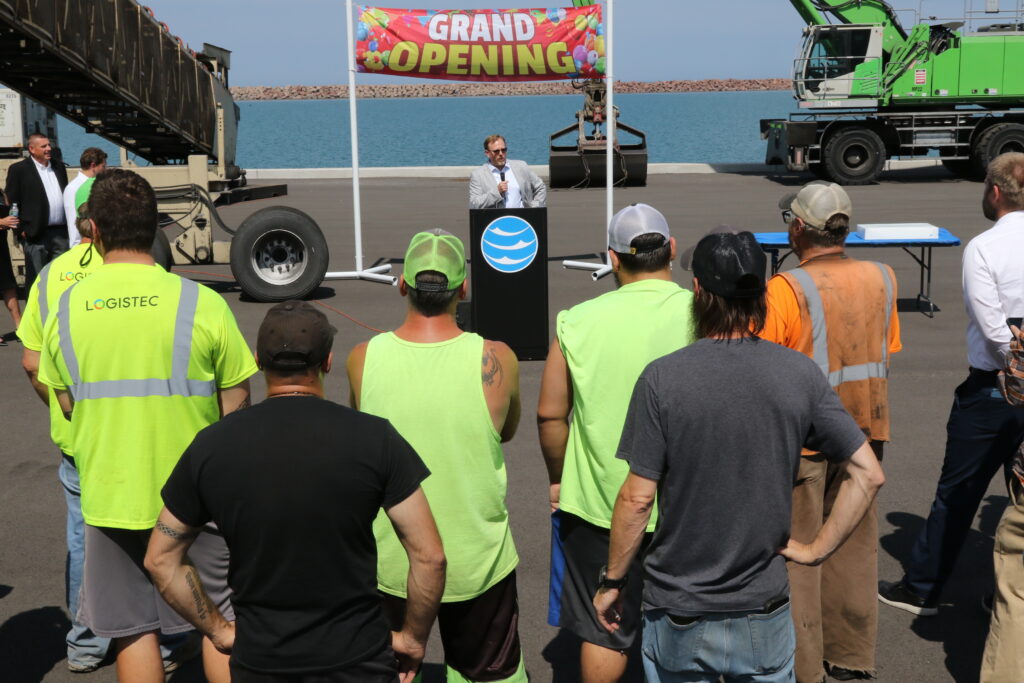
450 89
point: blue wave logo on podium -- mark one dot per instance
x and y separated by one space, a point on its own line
509 244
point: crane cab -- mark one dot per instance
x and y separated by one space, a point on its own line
839 65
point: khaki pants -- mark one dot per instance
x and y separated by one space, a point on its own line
835 606
1004 649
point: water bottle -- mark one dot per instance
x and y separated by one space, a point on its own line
14 210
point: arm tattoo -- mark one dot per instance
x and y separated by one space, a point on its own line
492 371
174 533
243 405
198 596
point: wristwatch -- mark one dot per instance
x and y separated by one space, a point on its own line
604 582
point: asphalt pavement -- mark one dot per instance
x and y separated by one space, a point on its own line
943 648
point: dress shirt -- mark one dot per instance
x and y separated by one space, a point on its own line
53 194
71 211
993 281
513 197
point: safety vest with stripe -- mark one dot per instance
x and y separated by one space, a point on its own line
178 384
845 311
142 352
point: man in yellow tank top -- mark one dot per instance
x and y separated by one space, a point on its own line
841 312
600 348
454 397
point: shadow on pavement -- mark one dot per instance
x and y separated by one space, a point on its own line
32 642
961 625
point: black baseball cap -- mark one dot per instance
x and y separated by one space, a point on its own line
731 265
294 336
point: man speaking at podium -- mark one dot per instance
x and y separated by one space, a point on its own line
504 184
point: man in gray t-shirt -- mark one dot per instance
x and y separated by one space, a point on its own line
715 429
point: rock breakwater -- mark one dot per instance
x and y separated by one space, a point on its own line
449 89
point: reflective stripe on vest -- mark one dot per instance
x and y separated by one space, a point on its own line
819 333
44 305
177 385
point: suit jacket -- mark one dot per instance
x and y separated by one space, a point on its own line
483 191
25 187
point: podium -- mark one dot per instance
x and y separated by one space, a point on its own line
509 278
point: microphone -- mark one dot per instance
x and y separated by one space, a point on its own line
502 173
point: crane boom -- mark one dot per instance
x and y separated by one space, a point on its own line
816 13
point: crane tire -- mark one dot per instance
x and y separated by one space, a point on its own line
854 156
996 140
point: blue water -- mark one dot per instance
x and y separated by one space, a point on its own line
449 131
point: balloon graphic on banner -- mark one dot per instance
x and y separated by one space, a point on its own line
481 45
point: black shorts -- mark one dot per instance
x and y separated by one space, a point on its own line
578 551
380 668
480 636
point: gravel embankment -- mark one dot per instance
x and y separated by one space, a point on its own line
449 89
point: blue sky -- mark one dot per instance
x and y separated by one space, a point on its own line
302 42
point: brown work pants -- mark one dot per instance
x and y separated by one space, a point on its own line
835 605
1004 649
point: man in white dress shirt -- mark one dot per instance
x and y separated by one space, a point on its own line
983 431
92 162
504 184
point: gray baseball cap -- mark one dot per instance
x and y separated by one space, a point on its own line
633 221
816 202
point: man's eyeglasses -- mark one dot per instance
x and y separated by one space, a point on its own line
503 150
787 216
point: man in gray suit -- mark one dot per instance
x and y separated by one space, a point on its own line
504 184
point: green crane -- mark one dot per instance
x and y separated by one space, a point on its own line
870 90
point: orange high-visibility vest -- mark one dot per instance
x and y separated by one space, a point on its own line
845 308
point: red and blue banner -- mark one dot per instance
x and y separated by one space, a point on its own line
482 45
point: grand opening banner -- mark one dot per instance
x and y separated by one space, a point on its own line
482 45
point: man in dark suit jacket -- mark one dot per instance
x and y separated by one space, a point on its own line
36 186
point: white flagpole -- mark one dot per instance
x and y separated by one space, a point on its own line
609 115
599 270
353 126
373 274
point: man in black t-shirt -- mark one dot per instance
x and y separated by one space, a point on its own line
294 483
715 429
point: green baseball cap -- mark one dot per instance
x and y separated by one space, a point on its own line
438 251
82 194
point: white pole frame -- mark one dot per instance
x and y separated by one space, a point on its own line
599 270
374 274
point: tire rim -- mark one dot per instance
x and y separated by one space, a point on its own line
1011 146
855 156
279 257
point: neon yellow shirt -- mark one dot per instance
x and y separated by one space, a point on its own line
58 275
607 342
143 353
434 397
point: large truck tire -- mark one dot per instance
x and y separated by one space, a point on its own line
161 250
278 253
854 156
999 139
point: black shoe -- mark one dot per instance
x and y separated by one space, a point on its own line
840 674
899 596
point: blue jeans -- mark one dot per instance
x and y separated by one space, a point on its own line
740 647
84 647
982 435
